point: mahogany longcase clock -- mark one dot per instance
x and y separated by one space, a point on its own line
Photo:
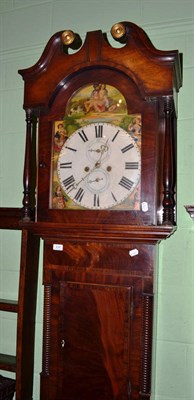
103 198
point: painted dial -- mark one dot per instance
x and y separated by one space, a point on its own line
99 166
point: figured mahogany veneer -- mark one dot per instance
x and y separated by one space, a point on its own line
97 313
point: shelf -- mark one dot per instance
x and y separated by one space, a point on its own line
71 231
8 305
7 362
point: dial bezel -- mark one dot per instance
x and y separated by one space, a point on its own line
99 172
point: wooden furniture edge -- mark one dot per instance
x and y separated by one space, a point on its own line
190 210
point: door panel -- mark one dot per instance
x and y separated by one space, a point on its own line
94 343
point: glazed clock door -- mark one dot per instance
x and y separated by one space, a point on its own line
94 347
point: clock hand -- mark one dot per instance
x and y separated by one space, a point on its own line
104 148
75 185
95 150
96 180
96 165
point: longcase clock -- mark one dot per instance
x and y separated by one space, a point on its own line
103 197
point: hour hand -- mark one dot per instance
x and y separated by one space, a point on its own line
104 148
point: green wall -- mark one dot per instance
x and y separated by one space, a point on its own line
25 27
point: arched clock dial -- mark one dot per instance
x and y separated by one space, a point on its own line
99 166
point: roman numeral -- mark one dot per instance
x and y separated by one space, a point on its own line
66 165
114 137
131 165
69 182
70 148
96 200
127 148
79 195
99 130
126 183
113 196
83 136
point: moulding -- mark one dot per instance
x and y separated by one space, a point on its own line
190 210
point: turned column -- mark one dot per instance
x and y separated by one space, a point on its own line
27 176
168 164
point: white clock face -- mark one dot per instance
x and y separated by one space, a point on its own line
99 166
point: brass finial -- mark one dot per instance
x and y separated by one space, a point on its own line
118 31
71 39
68 37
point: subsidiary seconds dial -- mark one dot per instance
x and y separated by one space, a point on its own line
99 166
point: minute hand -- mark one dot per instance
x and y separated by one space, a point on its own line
75 185
96 165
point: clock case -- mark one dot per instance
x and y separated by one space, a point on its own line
98 266
148 78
